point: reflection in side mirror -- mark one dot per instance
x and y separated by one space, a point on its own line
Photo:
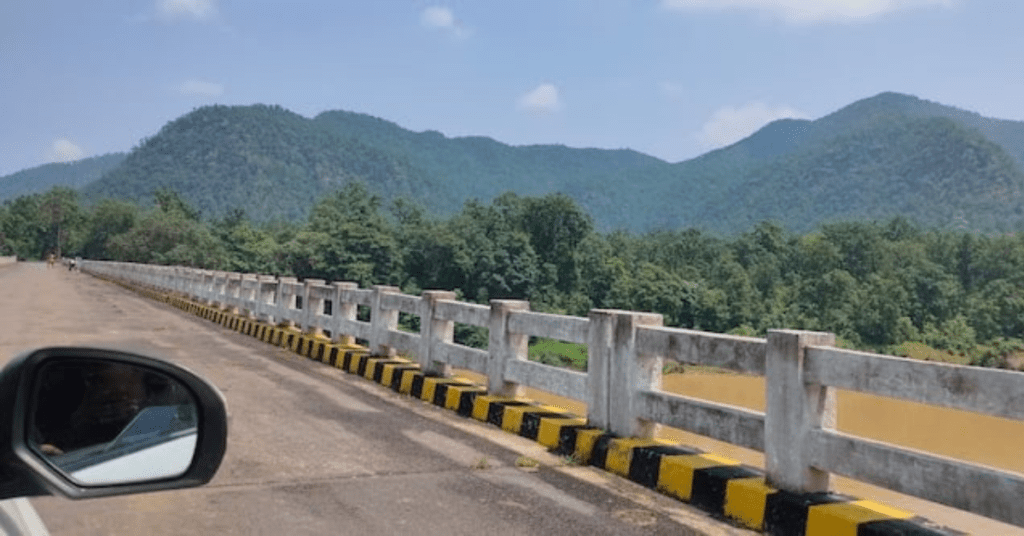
105 422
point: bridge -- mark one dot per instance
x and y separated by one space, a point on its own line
623 404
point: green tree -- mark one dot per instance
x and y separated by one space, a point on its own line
169 234
110 217
347 238
248 248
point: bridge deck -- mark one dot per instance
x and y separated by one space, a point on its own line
313 450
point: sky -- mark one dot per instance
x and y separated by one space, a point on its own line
670 78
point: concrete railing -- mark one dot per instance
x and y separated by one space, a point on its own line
622 388
8 260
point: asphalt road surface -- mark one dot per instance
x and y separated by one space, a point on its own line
312 450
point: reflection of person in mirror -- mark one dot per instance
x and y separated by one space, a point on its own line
80 405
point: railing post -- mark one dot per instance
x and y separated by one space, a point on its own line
266 293
207 287
248 290
312 306
433 331
503 346
382 321
343 310
232 291
193 277
617 373
185 282
285 302
794 408
219 290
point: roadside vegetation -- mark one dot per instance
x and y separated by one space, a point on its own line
885 286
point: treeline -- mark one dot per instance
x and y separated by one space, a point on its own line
880 286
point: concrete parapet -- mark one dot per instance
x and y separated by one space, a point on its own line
622 388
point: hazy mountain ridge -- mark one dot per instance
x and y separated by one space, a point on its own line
71 174
879 157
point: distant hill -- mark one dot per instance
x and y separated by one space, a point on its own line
264 159
480 167
887 155
877 158
275 163
71 174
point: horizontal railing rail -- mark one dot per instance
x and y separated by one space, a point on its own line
622 385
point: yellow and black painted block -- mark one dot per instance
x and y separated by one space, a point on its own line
726 488
458 396
309 345
448 392
320 349
374 368
302 344
290 339
391 373
331 354
275 335
410 382
349 361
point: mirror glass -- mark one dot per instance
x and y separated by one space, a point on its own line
104 422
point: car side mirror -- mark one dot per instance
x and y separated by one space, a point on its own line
87 422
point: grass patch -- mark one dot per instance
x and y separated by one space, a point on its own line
920 350
523 462
559 353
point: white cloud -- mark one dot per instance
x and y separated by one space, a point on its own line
809 11
731 124
201 10
437 17
63 150
542 99
443 19
199 88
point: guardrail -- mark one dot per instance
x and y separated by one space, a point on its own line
622 387
8 260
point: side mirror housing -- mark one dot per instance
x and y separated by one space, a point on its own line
89 422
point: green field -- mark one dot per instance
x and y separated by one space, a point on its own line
559 353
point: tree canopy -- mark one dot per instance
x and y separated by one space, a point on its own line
877 285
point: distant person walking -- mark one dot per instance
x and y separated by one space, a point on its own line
51 260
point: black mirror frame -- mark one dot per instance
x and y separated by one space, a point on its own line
30 474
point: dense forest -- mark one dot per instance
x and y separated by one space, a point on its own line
887 285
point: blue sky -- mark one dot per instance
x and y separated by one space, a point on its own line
671 78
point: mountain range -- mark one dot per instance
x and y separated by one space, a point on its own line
884 156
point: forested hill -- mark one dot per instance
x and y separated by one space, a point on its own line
71 174
264 159
888 155
275 163
480 167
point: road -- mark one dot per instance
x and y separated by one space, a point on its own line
312 450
